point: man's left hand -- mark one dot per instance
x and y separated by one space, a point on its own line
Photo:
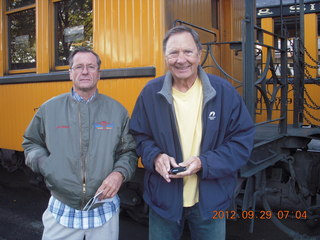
111 185
193 165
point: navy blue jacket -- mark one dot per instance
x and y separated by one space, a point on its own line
227 141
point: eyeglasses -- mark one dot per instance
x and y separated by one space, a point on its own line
80 68
176 54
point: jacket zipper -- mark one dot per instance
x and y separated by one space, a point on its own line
82 161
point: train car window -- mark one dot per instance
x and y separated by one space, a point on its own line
13 4
73 27
290 25
22 39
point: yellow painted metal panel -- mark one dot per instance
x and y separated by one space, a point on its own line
2 38
18 103
268 25
196 12
127 33
232 14
42 22
311 41
125 91
238 7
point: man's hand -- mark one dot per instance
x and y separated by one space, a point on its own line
193 165
111 185
163 164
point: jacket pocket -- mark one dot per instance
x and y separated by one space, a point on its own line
226 188
60 174
43 168
162 194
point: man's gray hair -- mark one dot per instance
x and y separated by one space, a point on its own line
181 29
83 50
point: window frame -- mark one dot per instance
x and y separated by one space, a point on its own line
54 50
6 43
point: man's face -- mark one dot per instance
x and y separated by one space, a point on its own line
182 56
84 72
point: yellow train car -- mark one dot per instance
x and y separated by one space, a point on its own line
36 37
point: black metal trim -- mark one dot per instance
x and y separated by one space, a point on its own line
64 75
289 9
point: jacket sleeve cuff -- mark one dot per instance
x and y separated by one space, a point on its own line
34 159
123 172
204 170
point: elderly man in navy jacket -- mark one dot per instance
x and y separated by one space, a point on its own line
198 125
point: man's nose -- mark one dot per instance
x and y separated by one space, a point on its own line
181 57
85 70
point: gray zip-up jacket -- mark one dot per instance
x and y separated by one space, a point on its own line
75 146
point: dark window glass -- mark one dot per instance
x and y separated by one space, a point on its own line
215 12
290 26
73 27
22 40
12 4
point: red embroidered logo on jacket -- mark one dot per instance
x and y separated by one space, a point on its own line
63 126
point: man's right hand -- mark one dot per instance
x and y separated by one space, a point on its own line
163 164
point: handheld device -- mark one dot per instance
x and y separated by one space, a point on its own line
176 170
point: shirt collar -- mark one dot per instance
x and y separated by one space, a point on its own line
78 98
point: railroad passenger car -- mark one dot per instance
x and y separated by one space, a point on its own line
37 36
282 173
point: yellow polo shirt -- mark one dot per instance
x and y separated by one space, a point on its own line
188 111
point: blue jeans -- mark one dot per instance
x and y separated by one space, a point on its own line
160 228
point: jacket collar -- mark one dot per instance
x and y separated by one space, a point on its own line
78 98
208 90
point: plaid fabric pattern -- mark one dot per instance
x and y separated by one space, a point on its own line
78 98
77 219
